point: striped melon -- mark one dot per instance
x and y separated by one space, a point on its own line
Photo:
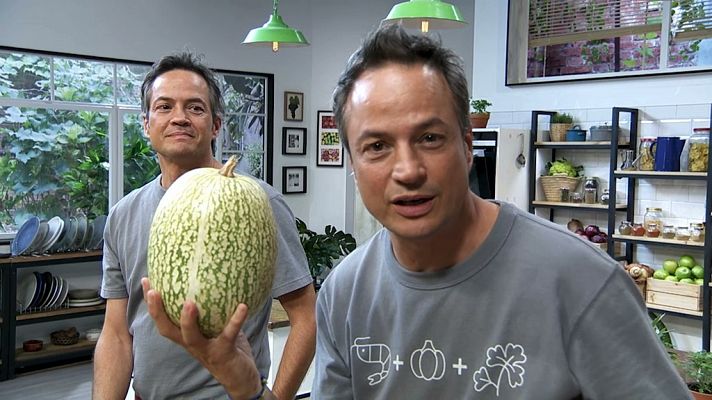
212 241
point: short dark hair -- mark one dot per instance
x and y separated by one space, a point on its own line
391 43
189 62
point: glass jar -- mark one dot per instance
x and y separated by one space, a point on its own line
625 228
638 230
576 197
694 154
697 232
682 233
668 232
646 154
652 230
653 215
590 189
605 197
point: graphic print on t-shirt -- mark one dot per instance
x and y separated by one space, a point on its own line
501 361
504 364
373 354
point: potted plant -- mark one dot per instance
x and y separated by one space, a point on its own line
323 249
560 123
698 368
479 114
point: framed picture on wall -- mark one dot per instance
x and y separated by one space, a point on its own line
294 141
293 106
329 149
294 180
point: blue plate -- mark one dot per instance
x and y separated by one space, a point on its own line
25 236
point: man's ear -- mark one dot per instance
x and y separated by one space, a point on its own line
145 124
468 148
217 123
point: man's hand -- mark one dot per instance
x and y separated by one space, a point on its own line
228 356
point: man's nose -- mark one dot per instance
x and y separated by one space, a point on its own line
408 167
179 116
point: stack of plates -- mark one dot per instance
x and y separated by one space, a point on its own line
84 298
40 291
76 233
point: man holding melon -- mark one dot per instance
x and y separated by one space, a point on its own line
199 247
456 297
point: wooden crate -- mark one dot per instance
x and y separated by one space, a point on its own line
684 296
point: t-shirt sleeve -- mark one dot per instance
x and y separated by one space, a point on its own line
332 376
113 285
291 271
614 352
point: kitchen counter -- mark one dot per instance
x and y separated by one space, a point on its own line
278 318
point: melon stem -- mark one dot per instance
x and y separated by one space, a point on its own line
229 166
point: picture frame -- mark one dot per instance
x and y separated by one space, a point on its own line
294 180
293 106
294 141
329 149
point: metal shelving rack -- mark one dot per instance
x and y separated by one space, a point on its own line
534 148
10 319
632 176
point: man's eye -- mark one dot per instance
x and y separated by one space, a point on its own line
376 146
161 107
196 109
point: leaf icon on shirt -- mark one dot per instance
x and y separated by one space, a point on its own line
501 361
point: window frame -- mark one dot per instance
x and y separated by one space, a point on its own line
517 44
117 111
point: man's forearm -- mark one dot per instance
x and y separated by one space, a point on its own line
113 364
296 359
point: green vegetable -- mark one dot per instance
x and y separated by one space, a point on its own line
563 167
212 241
562 118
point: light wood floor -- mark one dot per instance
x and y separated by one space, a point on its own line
69 383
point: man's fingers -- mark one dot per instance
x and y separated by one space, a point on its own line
232 329
189 325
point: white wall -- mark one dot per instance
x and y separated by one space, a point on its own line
145 30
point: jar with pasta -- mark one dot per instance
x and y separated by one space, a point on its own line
653 215
699 148
697 232
646 154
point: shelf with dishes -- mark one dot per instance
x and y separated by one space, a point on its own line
51 259
51 352
60 314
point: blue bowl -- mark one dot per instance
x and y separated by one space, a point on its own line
576 135
25 236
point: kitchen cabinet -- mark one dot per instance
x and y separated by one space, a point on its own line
630 178
542 151
12 359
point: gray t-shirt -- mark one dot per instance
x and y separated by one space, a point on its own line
163 369
534 313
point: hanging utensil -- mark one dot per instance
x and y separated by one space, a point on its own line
521 160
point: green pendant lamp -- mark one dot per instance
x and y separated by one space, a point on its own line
426 15
275 33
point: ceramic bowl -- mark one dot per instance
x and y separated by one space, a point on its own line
32 345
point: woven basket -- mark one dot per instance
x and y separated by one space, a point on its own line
552 186
558 132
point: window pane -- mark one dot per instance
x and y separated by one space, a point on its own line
244 94
83 81
52 162
129 83
140 165
243 132
24 76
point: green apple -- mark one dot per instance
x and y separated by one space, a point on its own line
670 266
699 281
672 278
660 274
686 261
687 280
683 272
698 271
